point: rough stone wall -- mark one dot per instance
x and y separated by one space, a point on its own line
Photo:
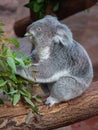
11 11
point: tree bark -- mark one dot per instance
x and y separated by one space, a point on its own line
21 25
64 114
70 7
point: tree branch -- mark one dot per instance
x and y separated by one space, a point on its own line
70 7
66 8
81 108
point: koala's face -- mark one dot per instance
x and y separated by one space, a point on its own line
47 33
42 31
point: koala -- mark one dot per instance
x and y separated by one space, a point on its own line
34 56
64 67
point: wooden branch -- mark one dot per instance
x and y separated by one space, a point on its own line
21 25
81 108
67 8
70 7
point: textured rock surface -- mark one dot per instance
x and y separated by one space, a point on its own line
8 6
10 12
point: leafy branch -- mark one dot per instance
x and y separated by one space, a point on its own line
10 84
40 6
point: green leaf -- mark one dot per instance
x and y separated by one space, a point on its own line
11 63
13 92
1 101
37 99
13 77
9 52
29 5
2 83
10 84
16 98
24 92
29 101
31 104
3 50
1 24
15 53
20 61
41 14
56 7
2 67
14 41
1 31
40 1
37 7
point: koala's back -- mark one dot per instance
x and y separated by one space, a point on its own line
82 67
74 59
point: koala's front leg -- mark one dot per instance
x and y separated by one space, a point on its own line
43 73
28 73
39 73
34 56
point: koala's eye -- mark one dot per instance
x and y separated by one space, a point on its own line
38 29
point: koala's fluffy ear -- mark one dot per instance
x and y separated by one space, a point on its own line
63 35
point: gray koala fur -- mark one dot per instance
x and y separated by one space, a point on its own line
64 65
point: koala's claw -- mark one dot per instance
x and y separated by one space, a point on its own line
51 101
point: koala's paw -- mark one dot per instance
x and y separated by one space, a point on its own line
51 101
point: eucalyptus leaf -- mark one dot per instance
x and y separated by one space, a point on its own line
29 5
37 99
2 24
13 78
2 66
9 52
1 101
37 7
16 98
55 8
31 104
14 41
29 101
15 54
40 6
19 61
24 92
10 60
11 63
12 91
2 82
40 1
3 50
13 86
1 31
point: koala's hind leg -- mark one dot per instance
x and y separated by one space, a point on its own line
64 89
